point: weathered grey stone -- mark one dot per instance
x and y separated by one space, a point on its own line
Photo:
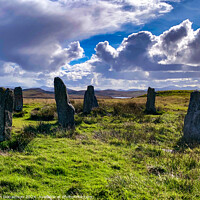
18 99
150 104
64 108
90 100
2 113
8 113
6 110
192 119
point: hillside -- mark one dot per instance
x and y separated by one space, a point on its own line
40 93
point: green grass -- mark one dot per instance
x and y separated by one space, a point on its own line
174 93
116 152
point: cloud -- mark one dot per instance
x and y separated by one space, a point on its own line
178 45
132 54
146 57
36 46
137 60
177 49
34 34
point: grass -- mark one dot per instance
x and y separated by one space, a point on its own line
116 152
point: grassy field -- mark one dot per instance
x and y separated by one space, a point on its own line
116 152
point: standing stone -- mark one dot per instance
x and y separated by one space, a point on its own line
2 113
90 100
64 108
18 99
150 105
8 113
192 119
6 109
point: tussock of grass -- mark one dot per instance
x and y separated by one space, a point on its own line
46 113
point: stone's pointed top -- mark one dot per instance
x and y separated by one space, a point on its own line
152 89
57 79
18 88
90 88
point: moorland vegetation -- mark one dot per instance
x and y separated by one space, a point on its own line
115 152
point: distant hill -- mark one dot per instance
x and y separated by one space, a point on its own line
40 93
177 88
37 93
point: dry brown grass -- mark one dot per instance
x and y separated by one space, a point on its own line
163 102
43 101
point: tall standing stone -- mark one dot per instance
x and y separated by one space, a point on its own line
2 113
150 104
6 110
192 119
90 100
8 113
18 99
64 108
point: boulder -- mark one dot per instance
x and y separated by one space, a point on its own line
64 108
90 100
2 113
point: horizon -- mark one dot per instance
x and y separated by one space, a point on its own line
170 88
118 45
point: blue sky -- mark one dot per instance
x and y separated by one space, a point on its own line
116 44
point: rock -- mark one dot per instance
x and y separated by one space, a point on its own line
64 108
150 105
8 113
6 110
2 115
90 100
18 99
192 119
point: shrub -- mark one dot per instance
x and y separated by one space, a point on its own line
78 107
128 108
46 113
99 111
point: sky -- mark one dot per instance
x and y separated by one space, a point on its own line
111 44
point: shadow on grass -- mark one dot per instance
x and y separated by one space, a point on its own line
20 141
159 111
184 144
